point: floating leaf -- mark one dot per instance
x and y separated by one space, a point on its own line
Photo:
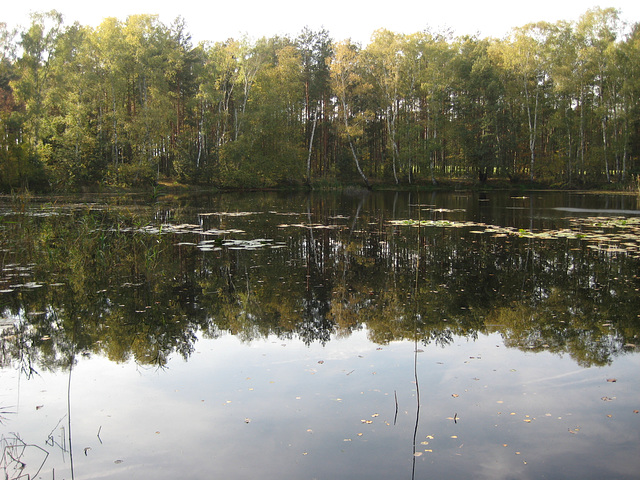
611 380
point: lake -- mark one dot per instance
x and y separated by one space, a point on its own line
355 335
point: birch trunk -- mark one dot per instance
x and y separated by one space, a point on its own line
313 132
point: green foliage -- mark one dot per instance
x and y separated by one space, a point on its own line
112 104
131 174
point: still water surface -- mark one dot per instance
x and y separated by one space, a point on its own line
449 335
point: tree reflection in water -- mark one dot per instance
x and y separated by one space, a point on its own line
113 280
142 284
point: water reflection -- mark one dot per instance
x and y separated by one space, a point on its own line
367 290
105 281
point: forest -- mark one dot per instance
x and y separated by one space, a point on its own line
135 102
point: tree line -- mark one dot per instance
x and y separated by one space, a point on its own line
133 102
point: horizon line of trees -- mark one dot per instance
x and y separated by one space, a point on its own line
134 101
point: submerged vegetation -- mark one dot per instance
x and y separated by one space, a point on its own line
144 282
134 102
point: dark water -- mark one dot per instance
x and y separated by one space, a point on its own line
353 335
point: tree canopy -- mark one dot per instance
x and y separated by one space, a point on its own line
131 102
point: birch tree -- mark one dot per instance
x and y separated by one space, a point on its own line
345 79
383 62
524 55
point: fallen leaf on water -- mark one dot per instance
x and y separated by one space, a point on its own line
606 399
360 434
417 454
247 420
609 416
366 421
455 395
320 362
38 407
636 411
346 440
454 436
612 380
375 415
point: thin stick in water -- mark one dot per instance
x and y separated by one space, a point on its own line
395 418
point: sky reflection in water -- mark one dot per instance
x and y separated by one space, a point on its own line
280 409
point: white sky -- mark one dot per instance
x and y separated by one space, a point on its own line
217 20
